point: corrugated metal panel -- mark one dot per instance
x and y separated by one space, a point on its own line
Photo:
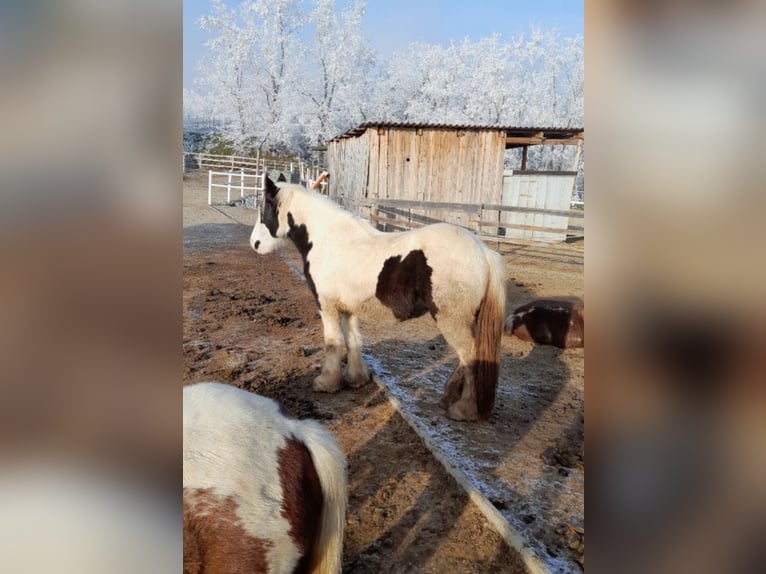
540 191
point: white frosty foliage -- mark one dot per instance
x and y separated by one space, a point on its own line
285 74
251 70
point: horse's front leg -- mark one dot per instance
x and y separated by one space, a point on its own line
358 373
331 378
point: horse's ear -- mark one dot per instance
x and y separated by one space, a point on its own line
282 177
271 188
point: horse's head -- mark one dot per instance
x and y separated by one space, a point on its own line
268 235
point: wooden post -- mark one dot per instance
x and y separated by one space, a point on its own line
499 218
576 165
242 182
210 187
228 188
524 157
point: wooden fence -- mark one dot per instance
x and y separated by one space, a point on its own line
483 219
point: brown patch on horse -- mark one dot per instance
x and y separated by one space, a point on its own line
214 540
559 322
302 501
300 237
404 286
488 329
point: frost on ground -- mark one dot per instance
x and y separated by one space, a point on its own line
534 481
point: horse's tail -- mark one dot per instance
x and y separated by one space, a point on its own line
489 331
330 465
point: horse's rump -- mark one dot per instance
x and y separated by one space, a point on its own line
261 492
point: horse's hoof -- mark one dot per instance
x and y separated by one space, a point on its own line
359 380
463 411
326 384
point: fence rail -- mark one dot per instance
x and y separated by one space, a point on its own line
235 181
481 217
210 161
469 207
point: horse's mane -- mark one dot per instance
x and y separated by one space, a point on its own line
324 204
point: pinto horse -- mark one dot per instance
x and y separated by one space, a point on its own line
439 269
559 322
261 492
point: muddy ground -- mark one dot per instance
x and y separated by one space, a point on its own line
250 321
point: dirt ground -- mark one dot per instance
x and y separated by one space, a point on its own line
249 320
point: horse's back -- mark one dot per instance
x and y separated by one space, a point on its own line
456 256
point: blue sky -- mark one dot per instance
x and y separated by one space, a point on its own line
391 25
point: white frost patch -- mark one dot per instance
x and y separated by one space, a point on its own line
470 453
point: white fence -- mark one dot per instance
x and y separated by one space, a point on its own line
306 172
234 180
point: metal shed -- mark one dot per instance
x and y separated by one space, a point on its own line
440 166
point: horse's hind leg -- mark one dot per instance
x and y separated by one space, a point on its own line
358 374
331 379
465 408
459 396
453 388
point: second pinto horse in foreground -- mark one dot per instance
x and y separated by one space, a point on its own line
439 269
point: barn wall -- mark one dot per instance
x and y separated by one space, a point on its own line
348 163
429 165
437 165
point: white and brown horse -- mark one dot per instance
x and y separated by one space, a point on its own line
559 322
261 492
439 269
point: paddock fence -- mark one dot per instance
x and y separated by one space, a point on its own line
231 180
489 222
484 219
295 169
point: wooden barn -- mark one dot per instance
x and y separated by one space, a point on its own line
433 172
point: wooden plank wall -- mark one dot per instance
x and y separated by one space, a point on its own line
348 163
434 165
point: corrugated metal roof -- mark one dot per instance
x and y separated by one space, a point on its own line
518 131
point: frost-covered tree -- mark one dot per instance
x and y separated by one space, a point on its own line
283 74
530 81
278 45
339 70
227 72
553 93
253 59
198 109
